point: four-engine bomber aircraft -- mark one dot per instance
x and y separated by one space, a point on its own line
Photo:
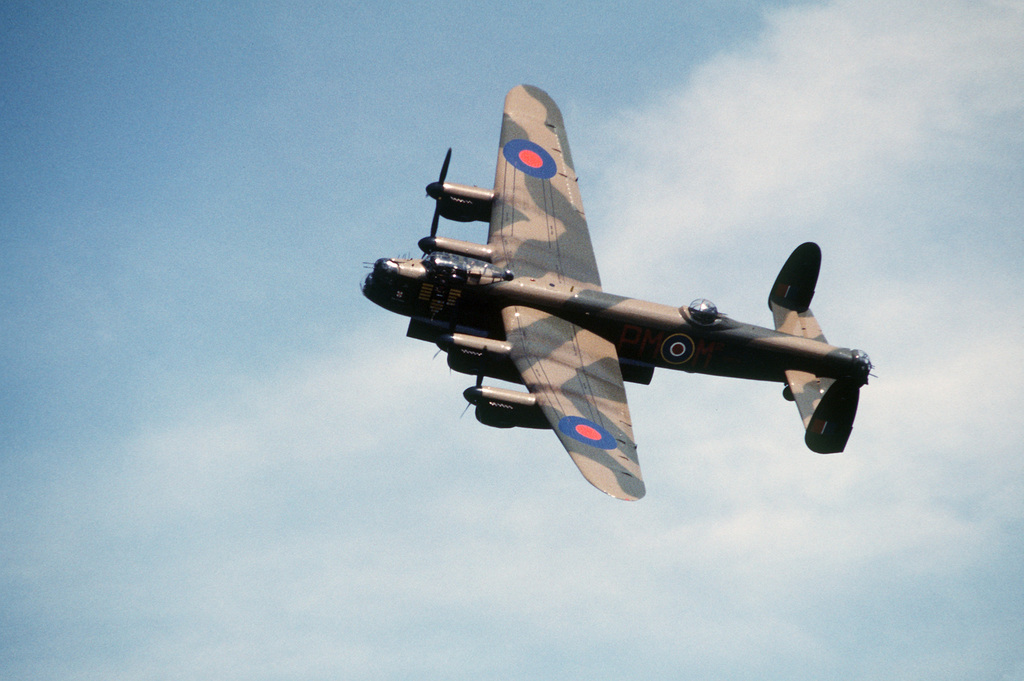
528 308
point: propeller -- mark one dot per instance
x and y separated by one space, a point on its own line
453 325
479 384
435 190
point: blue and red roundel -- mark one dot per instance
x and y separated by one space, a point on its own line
587 432
677 349
531 158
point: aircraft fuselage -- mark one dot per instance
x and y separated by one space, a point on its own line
646 335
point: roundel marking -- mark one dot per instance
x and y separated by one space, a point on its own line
529 157
586 431
677 349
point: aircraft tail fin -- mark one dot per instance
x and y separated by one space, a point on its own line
790 297
832 422
827 406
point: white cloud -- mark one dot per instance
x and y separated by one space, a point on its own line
833 106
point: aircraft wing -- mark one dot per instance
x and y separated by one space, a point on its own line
538 228
575 376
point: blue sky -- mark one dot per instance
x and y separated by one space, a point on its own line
217 459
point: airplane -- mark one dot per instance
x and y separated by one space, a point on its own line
527 307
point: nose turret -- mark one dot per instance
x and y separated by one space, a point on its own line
392 281
385 267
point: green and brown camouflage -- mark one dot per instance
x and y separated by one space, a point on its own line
527 307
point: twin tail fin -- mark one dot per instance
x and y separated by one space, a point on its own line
827 406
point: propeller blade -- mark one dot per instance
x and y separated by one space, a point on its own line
479 381
436 189
444 166
433 223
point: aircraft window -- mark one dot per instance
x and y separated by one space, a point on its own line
463 269
703 311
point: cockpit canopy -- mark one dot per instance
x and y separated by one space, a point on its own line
703 311
460 268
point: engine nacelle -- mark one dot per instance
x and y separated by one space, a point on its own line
502 408
475 355
462 202
430 244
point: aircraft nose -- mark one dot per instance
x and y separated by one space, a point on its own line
383 270
385 266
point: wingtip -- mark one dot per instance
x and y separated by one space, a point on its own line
614 480
628 489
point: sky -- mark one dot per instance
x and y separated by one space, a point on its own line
218 460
